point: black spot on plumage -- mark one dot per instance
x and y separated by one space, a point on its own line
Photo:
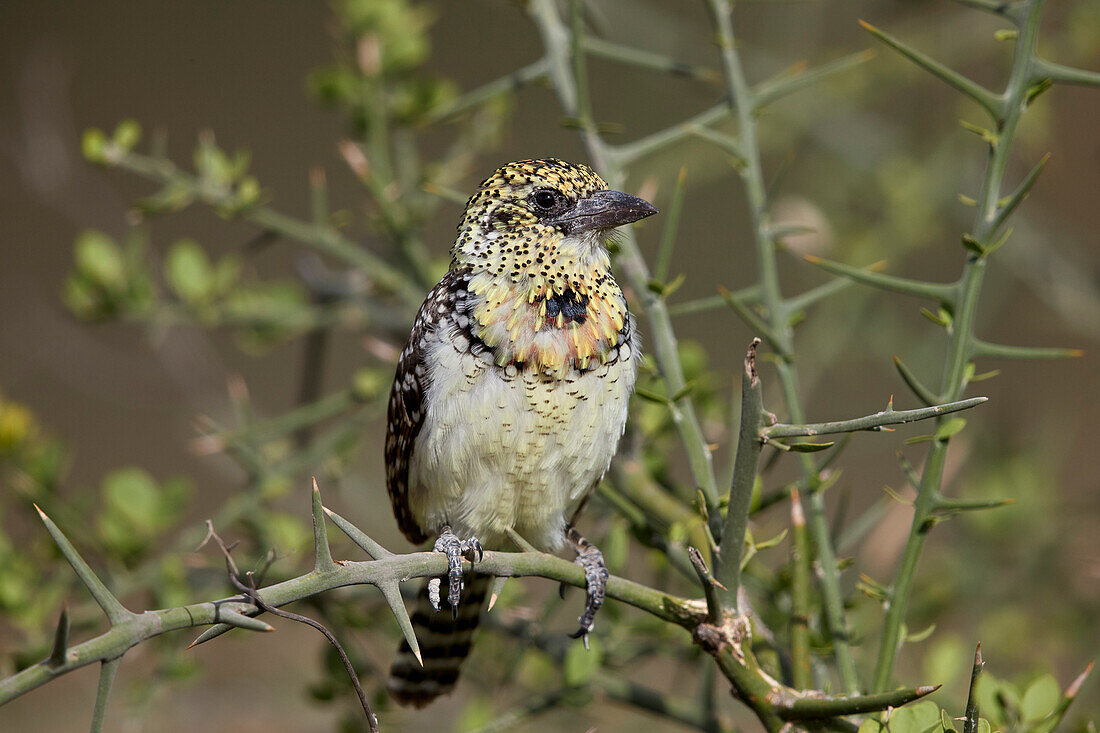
572 307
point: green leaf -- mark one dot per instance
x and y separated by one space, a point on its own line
998 700
369 384
248 192
810 447
188 272
1010 202
943 318
919 636
946 723
126 135
212 163
923 717
973 245
93 146
100 259
1040 698
950 427
946 661
288 532
226 274
984 134
765 544
136 509
653 397
581 664
673 285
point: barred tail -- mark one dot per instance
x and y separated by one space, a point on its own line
444 644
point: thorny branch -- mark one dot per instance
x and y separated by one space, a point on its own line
249 591
726 637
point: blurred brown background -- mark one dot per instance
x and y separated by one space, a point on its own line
877 159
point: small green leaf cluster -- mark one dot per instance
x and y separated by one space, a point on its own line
108 278
388 42
136 511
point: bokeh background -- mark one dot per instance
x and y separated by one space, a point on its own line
873 160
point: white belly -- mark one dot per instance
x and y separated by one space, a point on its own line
501 448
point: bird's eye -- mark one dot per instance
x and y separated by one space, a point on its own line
545 198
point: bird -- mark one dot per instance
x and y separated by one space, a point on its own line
510 397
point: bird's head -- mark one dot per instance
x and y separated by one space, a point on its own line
546 206
542 292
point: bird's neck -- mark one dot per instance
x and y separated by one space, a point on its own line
550 305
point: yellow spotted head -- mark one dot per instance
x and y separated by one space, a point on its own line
540 202
539 276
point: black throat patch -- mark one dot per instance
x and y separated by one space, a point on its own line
573 308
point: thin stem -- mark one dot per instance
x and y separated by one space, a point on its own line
505 84
888 416
107 671
728 564
970 720
647 59
776 310
800 597
631 152
960 347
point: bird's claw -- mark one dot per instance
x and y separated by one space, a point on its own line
590 558
433 592
450 545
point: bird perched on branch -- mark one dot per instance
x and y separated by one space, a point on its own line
511 395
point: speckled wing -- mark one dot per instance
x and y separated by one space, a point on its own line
405 414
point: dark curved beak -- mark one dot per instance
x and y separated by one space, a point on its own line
604 210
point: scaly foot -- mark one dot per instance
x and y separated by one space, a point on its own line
595 579
450 545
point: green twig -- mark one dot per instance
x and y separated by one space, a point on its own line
779 330
800 597
668 236
939 292
107 671
962 345
775 89
647 60
889 416
732 543
970 721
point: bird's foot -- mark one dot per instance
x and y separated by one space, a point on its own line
450 545
590 558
